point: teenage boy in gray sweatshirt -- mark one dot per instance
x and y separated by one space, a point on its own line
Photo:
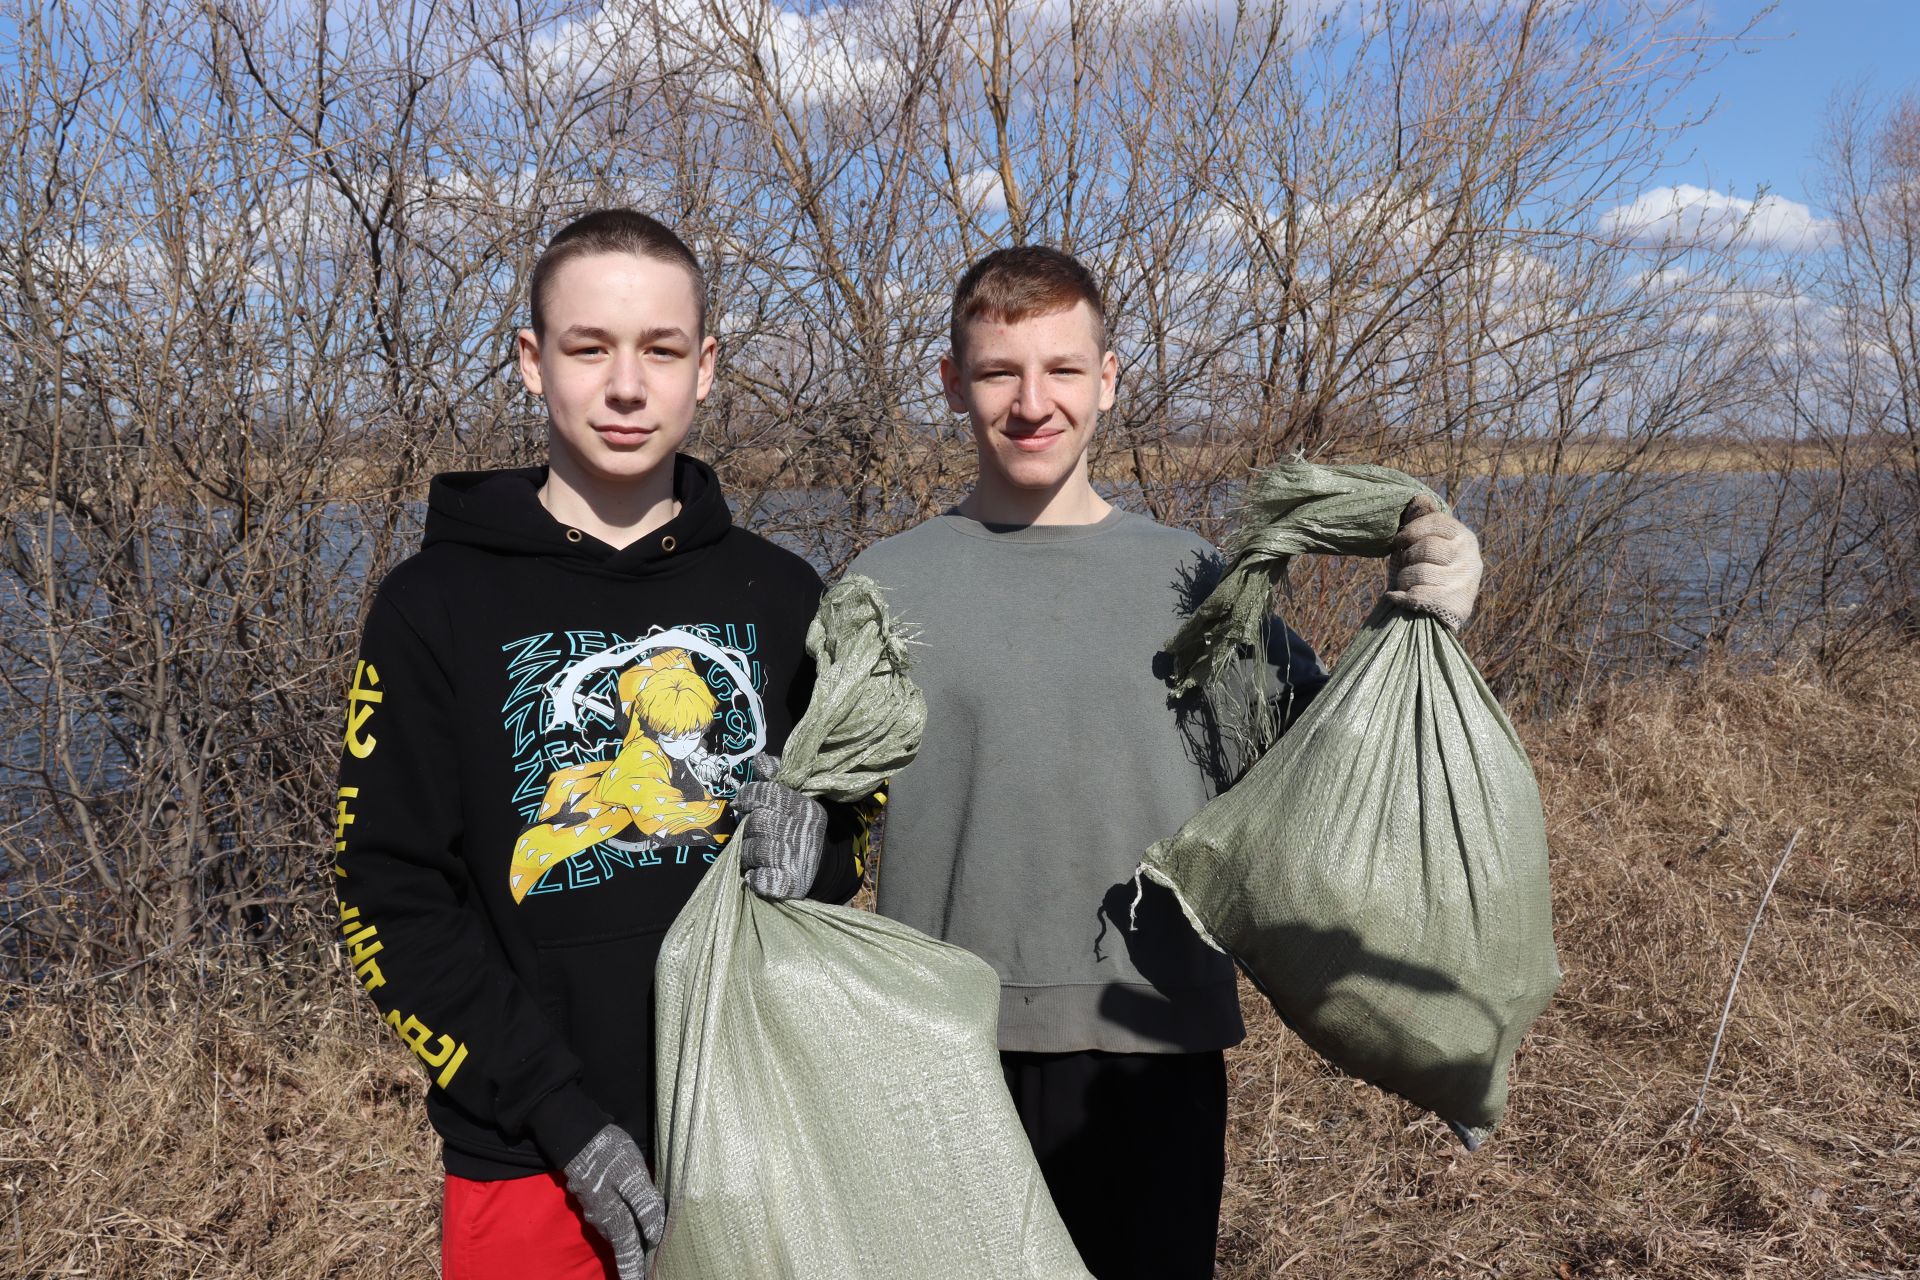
1055 755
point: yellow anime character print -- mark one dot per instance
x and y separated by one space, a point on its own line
658 785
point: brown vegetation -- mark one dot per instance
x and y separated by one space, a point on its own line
261 266
1668 804
245 1122
260 261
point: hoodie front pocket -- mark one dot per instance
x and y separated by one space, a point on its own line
598 993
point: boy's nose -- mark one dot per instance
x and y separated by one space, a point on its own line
624 381
1032 404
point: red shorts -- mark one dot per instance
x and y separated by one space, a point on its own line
520 1229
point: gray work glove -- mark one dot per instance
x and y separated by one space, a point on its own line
782 834
1434 566
609 1179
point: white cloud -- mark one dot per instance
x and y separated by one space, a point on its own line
1662 278
1397 228
982 191
1296 18
1690 215
1038 30
819 56
1230 226
810 58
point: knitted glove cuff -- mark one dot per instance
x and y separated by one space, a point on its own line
1414 604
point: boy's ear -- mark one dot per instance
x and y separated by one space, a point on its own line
950 383
527 350
709 352
1109 379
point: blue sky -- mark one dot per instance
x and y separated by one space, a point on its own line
1768 98
1773 95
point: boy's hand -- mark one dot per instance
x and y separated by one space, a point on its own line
782 834
712 771
609 1179
1434 566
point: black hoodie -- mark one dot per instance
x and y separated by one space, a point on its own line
542 737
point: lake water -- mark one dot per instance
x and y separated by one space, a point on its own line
1685 555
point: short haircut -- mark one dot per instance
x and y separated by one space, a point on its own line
675 702
614 231
666 695
1010 285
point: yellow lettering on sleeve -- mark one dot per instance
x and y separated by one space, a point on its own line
343 818
445 1052
362 699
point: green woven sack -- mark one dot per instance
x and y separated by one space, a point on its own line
1381 871
829 1098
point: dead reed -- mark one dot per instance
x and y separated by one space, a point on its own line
1668 804
256 1124
240 1121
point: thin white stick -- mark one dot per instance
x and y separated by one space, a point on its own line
1734 986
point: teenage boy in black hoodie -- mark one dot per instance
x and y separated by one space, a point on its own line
553 724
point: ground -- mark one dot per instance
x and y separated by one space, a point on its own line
242 1121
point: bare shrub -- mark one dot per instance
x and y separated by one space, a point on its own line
263 263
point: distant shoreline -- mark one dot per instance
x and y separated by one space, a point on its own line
350 480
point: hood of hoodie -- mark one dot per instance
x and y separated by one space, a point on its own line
500 511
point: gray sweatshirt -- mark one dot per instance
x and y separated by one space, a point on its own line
1054 755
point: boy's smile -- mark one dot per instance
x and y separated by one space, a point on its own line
1040 439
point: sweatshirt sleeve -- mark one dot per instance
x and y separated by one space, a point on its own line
849 827
844 860
1294 672
410 917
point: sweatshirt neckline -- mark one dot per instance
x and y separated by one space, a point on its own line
1027 534
500 511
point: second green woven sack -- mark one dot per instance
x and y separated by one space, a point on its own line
1381 871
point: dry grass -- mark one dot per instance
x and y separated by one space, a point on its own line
259 1129
1668 806
251 1128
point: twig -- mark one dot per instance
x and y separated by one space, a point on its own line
1734 986
14 922
91 978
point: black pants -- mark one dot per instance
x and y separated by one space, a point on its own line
1133 1148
